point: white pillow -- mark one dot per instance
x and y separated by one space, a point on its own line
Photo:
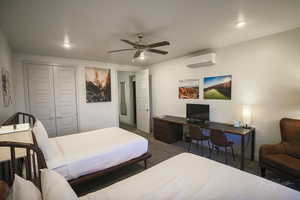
55 187
24 190
49 149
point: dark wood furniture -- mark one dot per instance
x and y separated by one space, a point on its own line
174 126
283 158
88 177
20 118
195 133
218 140
166 131
33 161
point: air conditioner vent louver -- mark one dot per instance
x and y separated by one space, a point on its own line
201 60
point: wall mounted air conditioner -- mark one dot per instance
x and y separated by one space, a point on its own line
201 60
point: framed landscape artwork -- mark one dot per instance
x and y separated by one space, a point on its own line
217 87
188 89
98 85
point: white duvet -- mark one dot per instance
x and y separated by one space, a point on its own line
88 152
188 177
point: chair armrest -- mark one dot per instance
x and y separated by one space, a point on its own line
268 149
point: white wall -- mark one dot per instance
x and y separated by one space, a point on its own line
91 115
265 72
5 61
125 77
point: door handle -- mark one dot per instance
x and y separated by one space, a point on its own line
59 117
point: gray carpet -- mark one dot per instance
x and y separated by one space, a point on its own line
162 151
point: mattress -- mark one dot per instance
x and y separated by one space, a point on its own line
88 152
188 176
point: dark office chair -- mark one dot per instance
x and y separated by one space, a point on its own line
195 133
218 140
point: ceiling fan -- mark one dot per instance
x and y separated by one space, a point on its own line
140 47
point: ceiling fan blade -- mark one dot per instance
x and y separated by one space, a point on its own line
120 50
158 51
129 42
137 54
158 44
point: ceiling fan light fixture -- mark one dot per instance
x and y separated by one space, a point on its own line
240 24
141 48
142 57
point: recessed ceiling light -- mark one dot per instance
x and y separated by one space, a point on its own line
240 24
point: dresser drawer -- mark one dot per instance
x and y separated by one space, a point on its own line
166 131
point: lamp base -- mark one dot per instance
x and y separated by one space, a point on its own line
246 126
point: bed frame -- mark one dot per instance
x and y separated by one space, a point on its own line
19 118
33 162
41 159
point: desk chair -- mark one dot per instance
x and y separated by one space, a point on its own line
219 139
195 133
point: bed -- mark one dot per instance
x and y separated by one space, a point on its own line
83 156
80 157
101 149
185 176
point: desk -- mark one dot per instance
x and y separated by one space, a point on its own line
169 129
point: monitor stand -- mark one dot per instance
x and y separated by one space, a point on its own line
195 121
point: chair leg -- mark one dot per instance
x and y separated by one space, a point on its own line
226 160
218 150
211 151
202 147
198 146
233 156
190 146
145 164
263 171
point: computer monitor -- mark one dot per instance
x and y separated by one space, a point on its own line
197 112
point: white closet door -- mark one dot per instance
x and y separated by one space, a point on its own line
142 100
41 95
65 100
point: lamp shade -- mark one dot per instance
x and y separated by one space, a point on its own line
247 113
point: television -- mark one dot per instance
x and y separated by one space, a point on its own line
197 112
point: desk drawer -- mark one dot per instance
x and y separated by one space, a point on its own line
166 131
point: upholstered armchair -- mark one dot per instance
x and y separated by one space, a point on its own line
283 158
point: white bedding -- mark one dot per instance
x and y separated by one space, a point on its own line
88 152
188 177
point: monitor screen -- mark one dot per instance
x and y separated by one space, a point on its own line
198 112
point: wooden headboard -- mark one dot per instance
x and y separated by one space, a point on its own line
32 162
20 118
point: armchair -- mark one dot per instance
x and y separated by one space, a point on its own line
283 158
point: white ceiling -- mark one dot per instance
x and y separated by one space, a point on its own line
95 26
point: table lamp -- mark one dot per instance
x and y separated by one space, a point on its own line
247 116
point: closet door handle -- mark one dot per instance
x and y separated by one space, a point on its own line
59 117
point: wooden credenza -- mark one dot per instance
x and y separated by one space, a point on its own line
167 131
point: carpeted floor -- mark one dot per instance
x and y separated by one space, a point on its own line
162 151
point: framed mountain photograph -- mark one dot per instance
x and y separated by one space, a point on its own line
98 85
217 87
